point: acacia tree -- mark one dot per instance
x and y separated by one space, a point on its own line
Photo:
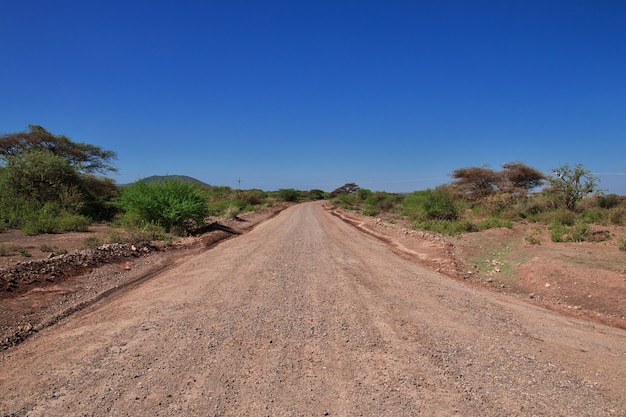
39 169
85 158
478 182
518 178
572 184
475 182
39 176
349 188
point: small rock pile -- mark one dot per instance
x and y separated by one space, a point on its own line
23 275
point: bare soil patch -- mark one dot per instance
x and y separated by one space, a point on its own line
585 280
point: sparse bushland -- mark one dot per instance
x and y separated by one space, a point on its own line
379 202
226 202
288 195
481 198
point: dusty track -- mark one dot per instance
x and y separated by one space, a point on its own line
305 315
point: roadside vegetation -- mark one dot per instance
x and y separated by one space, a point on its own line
51 184
569 203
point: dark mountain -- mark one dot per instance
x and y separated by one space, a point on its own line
181 178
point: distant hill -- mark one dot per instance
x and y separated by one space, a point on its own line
181 178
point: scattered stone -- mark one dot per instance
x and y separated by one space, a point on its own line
24 274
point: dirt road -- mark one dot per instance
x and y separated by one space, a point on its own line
307 316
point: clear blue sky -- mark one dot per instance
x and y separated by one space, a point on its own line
391 95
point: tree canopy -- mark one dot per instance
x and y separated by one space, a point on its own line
519 178
349 188
84 157
479 182
572 184
46 177
475 182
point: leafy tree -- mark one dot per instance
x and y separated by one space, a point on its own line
572 184
40 169
42 177
172 204
316 194
85 158
42 193
99 193
518 178
475 182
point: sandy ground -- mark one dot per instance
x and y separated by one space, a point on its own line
306 315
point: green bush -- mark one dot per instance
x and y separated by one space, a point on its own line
580 232
437 204
369 210
381 201
347 201
446 227
316 194
557 232
174 205
73 223
53 219
253 197
593 216
608 201
288 194
532 207
227 207
495 222
364 193
561 216
616 216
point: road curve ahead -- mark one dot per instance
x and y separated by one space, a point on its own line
307 316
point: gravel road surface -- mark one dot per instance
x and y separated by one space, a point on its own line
307 316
